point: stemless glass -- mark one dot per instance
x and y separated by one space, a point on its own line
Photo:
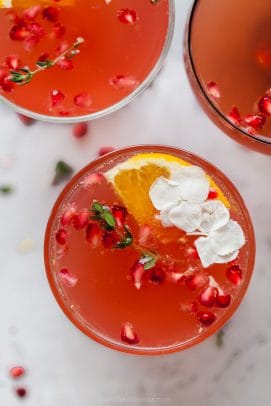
93 286
228 62
138 64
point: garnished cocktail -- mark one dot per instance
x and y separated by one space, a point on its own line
149 250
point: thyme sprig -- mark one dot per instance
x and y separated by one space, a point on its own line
22 76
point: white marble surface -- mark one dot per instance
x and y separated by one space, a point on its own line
65 368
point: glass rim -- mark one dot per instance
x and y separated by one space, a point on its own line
150 351
114 107
209 101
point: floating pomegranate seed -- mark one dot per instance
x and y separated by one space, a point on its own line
16 372
144 235
197 280
21 392
128 334
57 97
67 277
206 318
235 116
31 13
175 277
265 105
80 220
105 150
127 16
93 234
58 31
120 213
12 62
92 179
212 194
110 239
83 100
62 47
208 296
234 274
124 82
157 275
61 251
61 236
31 41
19 32
43 57
256 122
66 64
36 29
223 300
192 253
67 215
80 130
213 90
25 119
51 14
137 272
5 84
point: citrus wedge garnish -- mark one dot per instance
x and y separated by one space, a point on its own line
133 178
30 3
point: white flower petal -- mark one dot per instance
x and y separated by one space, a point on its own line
214 216
187 172
186 216
227 239
205 251
163 191
224 259
195 189
164 215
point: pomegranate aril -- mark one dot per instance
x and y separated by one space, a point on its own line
58 31
105 150
208 296
66 64
80 130
92 179
128 334
67 216
31 41
120 213
61 236
257 122
12 62
137 272
83 100
265 105
43 57
93 234
213 90
223 300
80 220
67 277
5 84
51 14
235 116
21 392
157 275
127 16
124 82
25 119
144 235
19 32
191 253
36 29
196 281
212 194
110 239
57 97
62 47
16 372
234 274
31 13
206 318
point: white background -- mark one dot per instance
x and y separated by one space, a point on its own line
65 367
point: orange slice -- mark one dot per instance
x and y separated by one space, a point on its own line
29 3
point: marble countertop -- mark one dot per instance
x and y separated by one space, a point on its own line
65 368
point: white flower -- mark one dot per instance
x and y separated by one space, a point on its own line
223 237
179 199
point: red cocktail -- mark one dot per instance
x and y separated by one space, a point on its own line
149 250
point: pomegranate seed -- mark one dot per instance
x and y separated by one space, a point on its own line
105 150
5 83
223 300
36 29
144 235
192 253
197 280
66 64
234 274
206 318
25 119
127 16
16 372
58 31
83 100
137 272
235 116
50 14
212 194
61 236
67 277
256 122
124 82
67 215
92 179
12 62
208 296
265 105
57 97
128 335
64 45
30 42
80 220
110 239
157 275
21 392
120 213
175 277
80 130
93 234
19 32
31 13
213 90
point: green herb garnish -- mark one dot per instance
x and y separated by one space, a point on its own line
149 260
6 189
127 239
103 214
220 338
63 171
